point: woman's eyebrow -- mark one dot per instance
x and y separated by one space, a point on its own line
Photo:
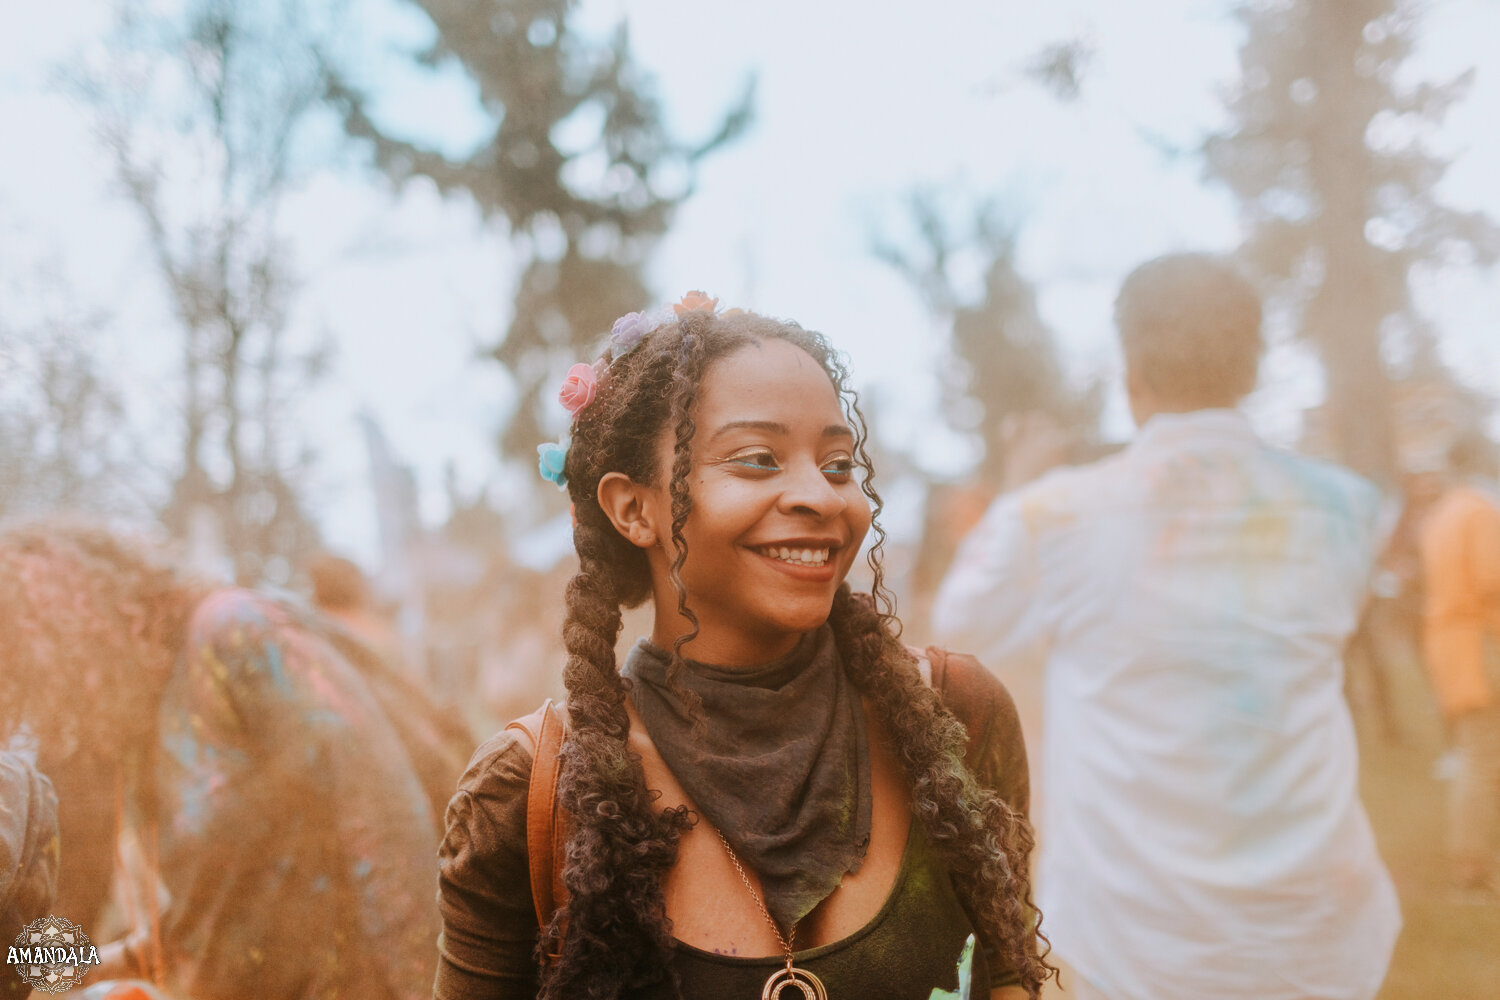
771 426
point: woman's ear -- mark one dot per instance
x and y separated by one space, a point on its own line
628 506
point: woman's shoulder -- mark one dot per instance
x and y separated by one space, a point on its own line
968 689
500 767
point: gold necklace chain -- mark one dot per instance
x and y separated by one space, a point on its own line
793 978
785 942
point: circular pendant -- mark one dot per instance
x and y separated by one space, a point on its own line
806 985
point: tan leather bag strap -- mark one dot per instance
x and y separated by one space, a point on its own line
547 826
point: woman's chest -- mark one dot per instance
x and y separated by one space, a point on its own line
918 944
715 904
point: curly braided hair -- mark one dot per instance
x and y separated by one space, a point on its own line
618 936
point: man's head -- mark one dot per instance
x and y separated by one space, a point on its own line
338 584
1190 331
1473 456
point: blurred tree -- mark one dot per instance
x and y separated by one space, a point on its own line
201 110
578 163
1002 362
1061 67
1327 155
63 446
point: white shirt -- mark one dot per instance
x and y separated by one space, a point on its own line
1204 839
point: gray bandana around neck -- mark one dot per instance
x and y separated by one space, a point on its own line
783 768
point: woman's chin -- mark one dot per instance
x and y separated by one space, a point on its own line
803 620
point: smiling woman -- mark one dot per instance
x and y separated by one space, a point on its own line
742 790
778 512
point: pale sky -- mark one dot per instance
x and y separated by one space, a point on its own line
854 109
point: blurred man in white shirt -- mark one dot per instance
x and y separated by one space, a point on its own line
1203 835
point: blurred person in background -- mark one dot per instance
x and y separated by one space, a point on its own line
1202 833
1460 542
1388 640
28 855
283 784
341 591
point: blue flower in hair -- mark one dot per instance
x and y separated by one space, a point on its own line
551 457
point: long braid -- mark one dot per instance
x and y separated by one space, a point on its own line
984 843
621 847
617 935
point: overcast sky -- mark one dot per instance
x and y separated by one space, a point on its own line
854 109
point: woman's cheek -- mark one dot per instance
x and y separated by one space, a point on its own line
864 516
860 521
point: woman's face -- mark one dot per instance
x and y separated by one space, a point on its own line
777 512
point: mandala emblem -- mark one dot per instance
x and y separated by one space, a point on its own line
52 955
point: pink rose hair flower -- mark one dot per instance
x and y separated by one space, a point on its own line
579 388
695 302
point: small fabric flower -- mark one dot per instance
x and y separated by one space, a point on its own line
627 333
551 457
695 302
578 388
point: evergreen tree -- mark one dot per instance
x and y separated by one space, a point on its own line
586 213
1327 156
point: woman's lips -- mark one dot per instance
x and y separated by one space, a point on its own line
818 566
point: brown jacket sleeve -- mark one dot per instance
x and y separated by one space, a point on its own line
487 947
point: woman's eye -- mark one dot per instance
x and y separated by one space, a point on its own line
757 460
840 468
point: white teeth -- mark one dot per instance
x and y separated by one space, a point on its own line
798 557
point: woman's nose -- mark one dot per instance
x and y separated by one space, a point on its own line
809 491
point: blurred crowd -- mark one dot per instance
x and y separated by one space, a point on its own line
212 779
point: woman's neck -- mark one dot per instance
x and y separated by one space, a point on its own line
726 651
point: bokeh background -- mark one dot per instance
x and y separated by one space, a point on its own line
279 279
